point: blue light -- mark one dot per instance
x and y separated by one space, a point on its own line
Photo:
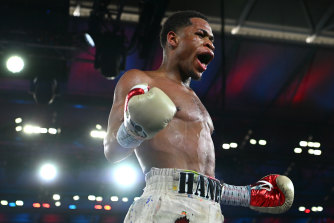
21 218
89 40
78 106
24 102
12 204
72 206
80 219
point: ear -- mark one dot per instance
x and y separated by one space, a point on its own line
172 39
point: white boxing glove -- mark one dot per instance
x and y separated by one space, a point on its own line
146 112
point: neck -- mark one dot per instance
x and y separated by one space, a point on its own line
172 71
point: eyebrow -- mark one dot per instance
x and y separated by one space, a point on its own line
211 37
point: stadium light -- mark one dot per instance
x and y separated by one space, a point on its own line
31 129
56 197
262 142
91 197
89 39
125 175
303 143
98 126
99 199
48 172
297 150
34 129
18 120
99 134
114 198
226 146
18 128
76 11
15 64
52 131
317 152
252 141
19 203
235 30
4 202
310 38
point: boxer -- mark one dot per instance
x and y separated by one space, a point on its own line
157 116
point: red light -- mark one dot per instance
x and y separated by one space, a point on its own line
307 211
97 206
46 205
36 205
107 207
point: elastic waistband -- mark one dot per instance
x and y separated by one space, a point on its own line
182 181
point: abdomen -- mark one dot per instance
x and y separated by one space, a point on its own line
181 145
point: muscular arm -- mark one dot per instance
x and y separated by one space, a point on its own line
112 150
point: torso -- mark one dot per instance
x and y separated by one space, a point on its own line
186 142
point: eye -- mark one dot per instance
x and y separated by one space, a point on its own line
200 34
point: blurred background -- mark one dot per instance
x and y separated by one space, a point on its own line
269 90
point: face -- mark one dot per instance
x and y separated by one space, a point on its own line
195 48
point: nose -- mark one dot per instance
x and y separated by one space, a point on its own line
210 45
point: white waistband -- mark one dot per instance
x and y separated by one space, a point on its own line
162 179
167 179
169 172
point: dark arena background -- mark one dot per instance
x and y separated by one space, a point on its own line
269 90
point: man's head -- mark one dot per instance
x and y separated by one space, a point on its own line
187 40
176 21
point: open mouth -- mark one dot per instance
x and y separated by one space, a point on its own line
205 58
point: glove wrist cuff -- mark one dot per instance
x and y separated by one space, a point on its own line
127 139
236 195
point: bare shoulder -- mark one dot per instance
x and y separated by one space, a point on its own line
128 80
133 77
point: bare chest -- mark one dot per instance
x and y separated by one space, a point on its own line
189 106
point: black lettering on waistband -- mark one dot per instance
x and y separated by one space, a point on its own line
186 179
211 188
206 187
182 183
190 183
218 192
200 186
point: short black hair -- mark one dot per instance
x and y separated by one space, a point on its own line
178 20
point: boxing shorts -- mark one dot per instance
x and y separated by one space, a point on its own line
180 196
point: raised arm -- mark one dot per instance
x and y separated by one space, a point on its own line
113 151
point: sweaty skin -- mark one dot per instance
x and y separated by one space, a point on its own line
186 142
